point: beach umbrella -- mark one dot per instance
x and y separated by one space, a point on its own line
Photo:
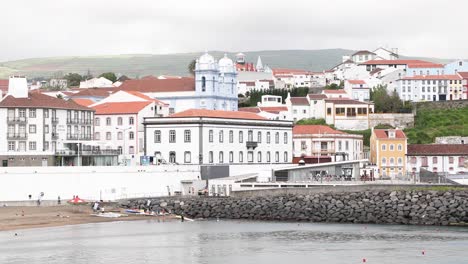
77 201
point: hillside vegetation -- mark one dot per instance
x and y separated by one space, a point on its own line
432 123
139 65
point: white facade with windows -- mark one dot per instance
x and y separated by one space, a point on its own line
438 158
422 88
212 139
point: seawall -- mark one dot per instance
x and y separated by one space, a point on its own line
435 205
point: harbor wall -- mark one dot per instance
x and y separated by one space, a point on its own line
436 205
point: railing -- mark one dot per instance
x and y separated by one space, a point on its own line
55 120
17 136
79 121
68 152
251 144
79 137
13 119
55 136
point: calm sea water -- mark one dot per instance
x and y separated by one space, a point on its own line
234 242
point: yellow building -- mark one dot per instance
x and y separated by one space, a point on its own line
388 152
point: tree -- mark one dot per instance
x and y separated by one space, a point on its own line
191 67
109 76
332 86
73 79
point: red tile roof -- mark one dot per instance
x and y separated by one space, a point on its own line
383 134
218 114
38 100
464 75
254 109
345 101
299 101
433 77
356 82
274 109
437 149
83 102
314 129
184 84
4 85
248 83
143 96
94 92
288 71
395 62
425 65
339 91
316 96
120 108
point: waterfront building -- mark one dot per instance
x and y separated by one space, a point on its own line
312 143
438 158
432 88
388 148
214 87
41 130
200 136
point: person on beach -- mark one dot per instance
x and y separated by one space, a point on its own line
96 207
59 201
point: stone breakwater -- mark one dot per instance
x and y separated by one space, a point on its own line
413 207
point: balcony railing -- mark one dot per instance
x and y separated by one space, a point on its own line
18 136
55 120
17 120
79 137
79 121
251 144
55 136
103 152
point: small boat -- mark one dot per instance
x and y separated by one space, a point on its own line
185 218
109 215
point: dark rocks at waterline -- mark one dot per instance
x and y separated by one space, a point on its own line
412 207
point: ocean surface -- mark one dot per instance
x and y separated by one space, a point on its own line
226 241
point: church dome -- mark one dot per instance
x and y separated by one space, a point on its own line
206 59
226 64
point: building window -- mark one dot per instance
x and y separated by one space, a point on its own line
172 157
268 157
276 156
451 160
131 135
97 136
259 137
131 120
32 113
187 136
203 83
108 121
241 137
108 136
339 145
221 157
400 161
187 157
119 121
11 146
46 113
400 147
434 160
285 156
259 156
46 129
250 135
285 137
46 145
241 156
329 111
461 161
32 145
268 138
119 135
250 156
221 136
210 157
384 147
391 147
277 138
97 121
157 136
172 136
22 113
32 129
392 161
231 136
210 135
231 157
384 161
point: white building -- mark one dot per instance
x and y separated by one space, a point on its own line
270 107
58 83
199 136
41 130
214 87
119 122
439 158
357 90
96 83
432 88
348 114
317 141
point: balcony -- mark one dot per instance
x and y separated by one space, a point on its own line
251 144
78 121
55 120
79 137
96 152
17 136
16 120
55 136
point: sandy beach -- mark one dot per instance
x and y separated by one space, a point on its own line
22 217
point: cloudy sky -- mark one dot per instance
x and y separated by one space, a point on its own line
33 28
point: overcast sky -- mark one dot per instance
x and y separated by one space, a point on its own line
42 28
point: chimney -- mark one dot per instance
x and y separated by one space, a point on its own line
18 87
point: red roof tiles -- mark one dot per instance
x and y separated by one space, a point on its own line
356 82
184 84
395 62
464 75
314 129
383 134
299 101
274 109
94 92
316 96
83 102
345 101
120 108
143 96
339 91
218 114
4 85
38 100
437 149
433 77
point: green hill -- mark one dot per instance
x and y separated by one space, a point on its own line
172 64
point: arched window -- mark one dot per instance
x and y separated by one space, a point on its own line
119 149
119 121
172 157
131 120
259 156
221 157
213 84
203 83
232 86
384 161
120 135
131 135
108 121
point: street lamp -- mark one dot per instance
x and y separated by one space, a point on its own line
124 139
